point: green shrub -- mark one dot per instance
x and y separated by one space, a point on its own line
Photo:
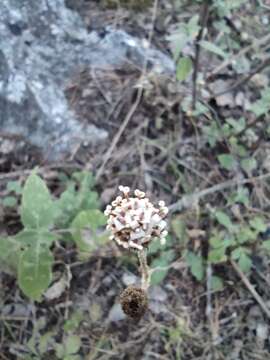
74 216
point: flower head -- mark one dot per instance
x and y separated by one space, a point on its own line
135 221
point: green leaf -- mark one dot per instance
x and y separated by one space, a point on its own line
14 186
238 125
258 224
193 26
46 341
179 230
236 253
9 253
9 201
184 67
216 240
60 350
245 234
221 240
262 106
227 161
72 357
7 246
86 182
66 206
184 34
168 255
154 247
178 40
217 255
240 196
77 197
224 220
70 347
209 46
72 344
241 255
37 206
35 270
244 262
216 283
90 220
158 275
266 245
238 149
249 165
212 133
85 179
161 262
196 265
32 237
73 323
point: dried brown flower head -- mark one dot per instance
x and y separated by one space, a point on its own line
134 302
135 221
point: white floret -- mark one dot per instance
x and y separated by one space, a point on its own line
134 221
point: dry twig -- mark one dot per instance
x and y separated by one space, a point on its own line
251 289
202 22
188 200
132 109
41 170
255 44
245 79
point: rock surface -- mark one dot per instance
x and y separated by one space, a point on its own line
42 43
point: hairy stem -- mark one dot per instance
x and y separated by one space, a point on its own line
144 269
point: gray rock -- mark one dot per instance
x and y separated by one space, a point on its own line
129 279
42 43
158 308
156 293
116 314
158 298
16 310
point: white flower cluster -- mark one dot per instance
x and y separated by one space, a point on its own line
134 221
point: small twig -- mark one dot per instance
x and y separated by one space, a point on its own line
202 22
212 319
208 311
99 87
132 110
245 79
188 200
251 289
119 133
40 170
256 43
263 5
251 124
177 265
13 318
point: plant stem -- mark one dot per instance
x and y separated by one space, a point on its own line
144 269
204 13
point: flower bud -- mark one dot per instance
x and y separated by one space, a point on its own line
134 302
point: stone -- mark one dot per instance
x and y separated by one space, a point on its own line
116 314
129 279
156 293
42 44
